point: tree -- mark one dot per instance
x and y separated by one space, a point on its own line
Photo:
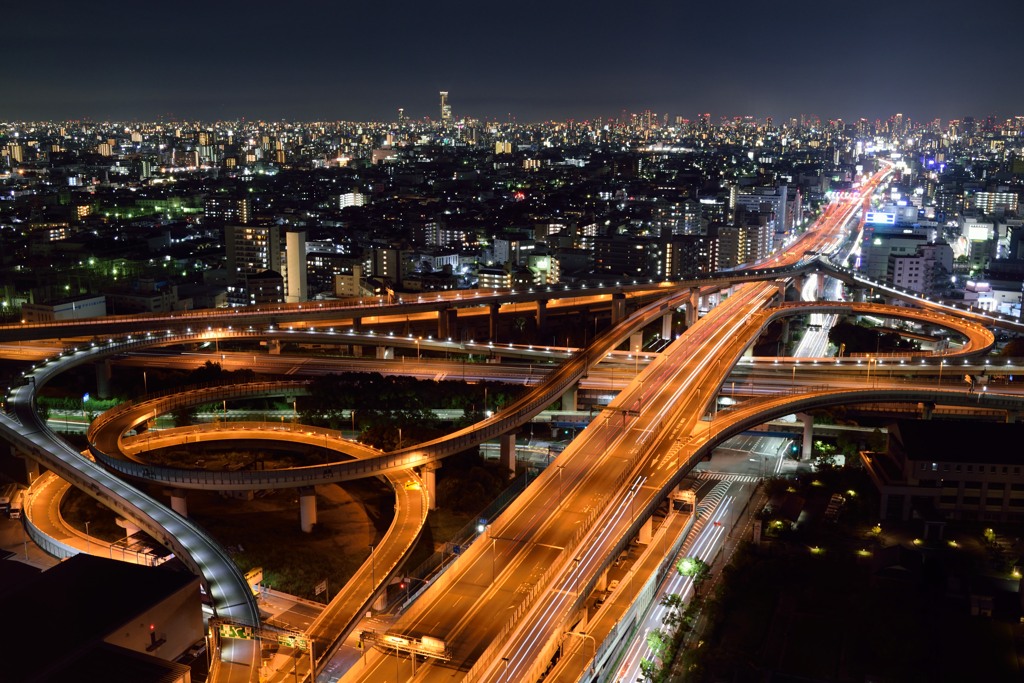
184 416
658 641
824 455
648 670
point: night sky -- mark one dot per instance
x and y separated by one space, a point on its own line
524 59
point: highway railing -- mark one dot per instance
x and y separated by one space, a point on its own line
167 400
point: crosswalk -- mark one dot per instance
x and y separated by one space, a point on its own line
709 502
725 476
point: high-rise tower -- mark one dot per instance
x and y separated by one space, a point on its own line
446 109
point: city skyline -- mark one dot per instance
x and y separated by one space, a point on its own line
362 63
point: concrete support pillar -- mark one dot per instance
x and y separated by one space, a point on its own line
618 307
783 286
692 307
307 508
666 326
357 351
569 397
430 481
447 323
646 531
602 581
492 321
385 353
798 285
542 314
1012 416
179 503
808 445
357 322
103 375
31 470
508 453
927 410
274 347
785 334
636 342
819 290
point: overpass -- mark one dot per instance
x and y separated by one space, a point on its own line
587 359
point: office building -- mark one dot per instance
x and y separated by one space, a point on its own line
227 209
252 248
446 109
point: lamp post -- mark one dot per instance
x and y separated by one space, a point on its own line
560 468
593 642
942 364
417 348
494 550
373 571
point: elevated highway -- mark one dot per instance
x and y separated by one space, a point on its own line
708 346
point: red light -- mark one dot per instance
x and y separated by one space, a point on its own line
152 627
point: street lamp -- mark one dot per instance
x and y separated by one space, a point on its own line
593 643
373 571
560 468
942 364
418 348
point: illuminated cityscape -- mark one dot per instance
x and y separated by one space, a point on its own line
447 345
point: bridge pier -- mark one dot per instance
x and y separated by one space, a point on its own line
385 353
927 410
508 453
808 443
666 326
542 314
492 321
447 323
103 375
646 531
24 473
798 284
430 481
179 503
274 347
636 342
784 337
602 581
569 397
307 508
691 307
1013 416
618 307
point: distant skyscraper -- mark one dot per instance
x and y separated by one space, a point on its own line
401 116
446 109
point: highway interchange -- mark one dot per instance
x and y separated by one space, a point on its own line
502 605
